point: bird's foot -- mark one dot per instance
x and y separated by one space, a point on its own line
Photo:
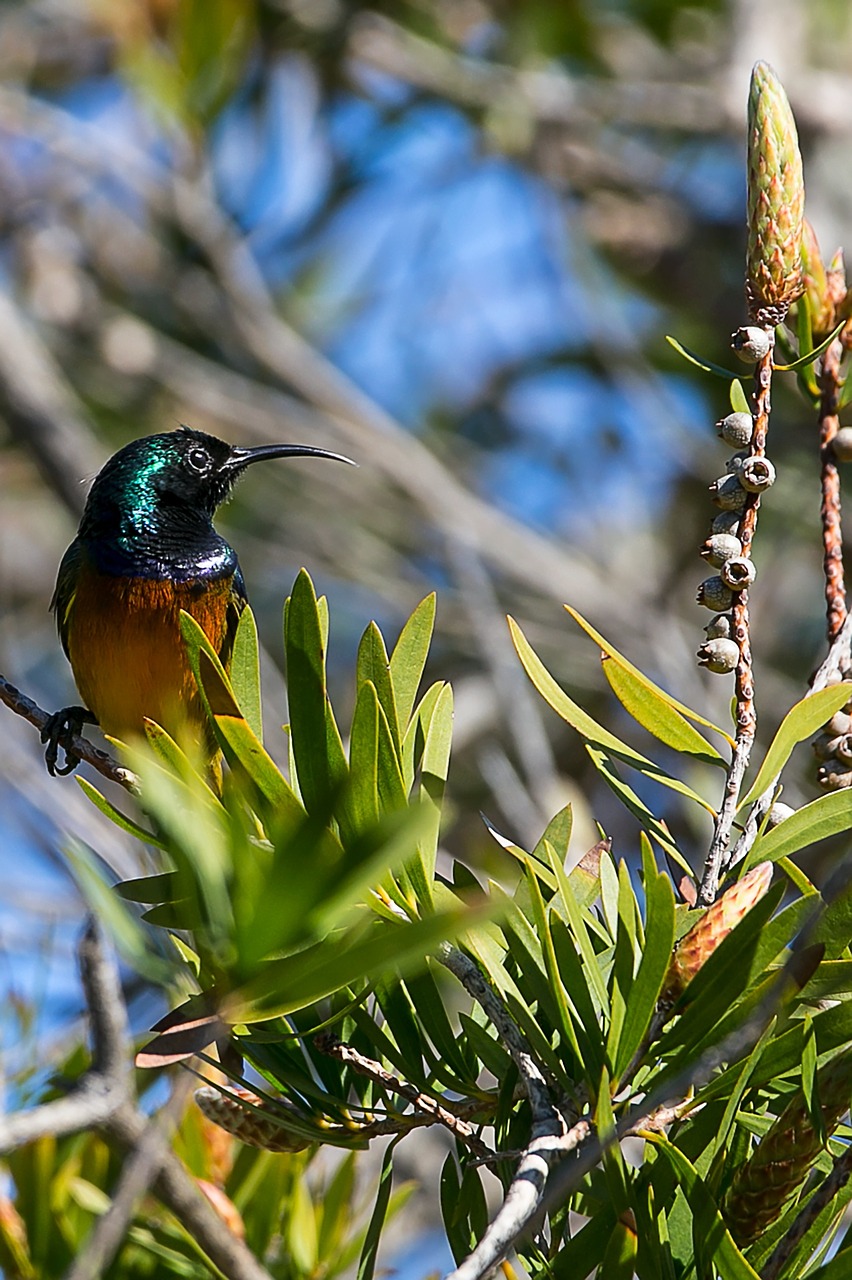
60 729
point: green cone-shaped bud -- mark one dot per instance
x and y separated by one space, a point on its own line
776 200
780 1163
816 285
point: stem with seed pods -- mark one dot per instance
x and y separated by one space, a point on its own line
832 534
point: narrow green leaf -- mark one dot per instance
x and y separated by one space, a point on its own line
542 923
150 890
115 815
373 665
653 708
826 816
577 927
713 1240
557 833
810 356
706 365
739 399
409 657
635 805
653 967
800 722
415 734
586 726
244 671
363 758
575 982
370 1248
733 1103
434 769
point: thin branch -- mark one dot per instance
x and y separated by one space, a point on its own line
106 1086
75 743
457 1124
137 1177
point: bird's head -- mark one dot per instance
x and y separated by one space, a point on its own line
185 474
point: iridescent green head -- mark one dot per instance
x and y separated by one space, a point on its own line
151 507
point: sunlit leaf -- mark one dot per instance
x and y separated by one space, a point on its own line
707 366
800 722
409 657
826 816
244 671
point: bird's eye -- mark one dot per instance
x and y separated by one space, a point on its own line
198 459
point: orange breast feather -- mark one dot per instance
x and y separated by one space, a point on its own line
126 651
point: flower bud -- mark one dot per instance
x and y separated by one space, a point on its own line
816 282
776 198
696 947
720 547
719 656
738 573
719 628
841 445
756 474
728 493
736 430
713 594
751 343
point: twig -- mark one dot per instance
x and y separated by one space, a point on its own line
373 1070
822 1196
106 1086
137 1177
548 1141
719 855
80 746
832 533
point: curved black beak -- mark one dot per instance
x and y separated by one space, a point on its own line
240 458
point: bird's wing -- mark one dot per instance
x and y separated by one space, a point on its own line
236 604
65 590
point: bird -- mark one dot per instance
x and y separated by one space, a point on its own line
146 549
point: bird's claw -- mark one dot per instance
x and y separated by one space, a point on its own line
57 732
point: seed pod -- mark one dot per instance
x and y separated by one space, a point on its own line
756 474
735 463
779 813
817 287
719 656
713 594
736 430
726 522
824 746
780 1162
720 547
719 628
751 344
840 722
728 493
834 776
696 947
841 445
738 573
843 748
776 199
241 1112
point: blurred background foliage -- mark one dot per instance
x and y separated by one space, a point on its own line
446 237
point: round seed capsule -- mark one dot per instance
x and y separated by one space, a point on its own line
833 776
736 430
824 746
713 594
719 628
756 474
720 547
843 748
726 522
719 656
734 464
778 813
738 573
840 722
842 445
728 493
751 343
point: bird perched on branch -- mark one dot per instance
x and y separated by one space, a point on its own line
145 550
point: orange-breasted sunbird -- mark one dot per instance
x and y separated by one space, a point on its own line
146 549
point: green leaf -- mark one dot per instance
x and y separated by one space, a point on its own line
150 890
373 666
826 816
739 399
648 704
582 939
409 657
434 769
653 967
370 1249
810 356
713 1241
635 805
317 747
244 671
586 726
557 834
543 928
800 722
115 815
364 758
706 365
